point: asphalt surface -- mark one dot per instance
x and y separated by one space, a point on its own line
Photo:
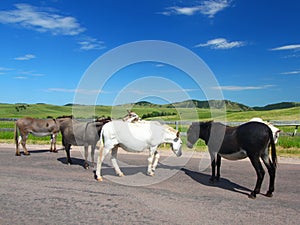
43 189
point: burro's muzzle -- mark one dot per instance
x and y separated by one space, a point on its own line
189 144
177 146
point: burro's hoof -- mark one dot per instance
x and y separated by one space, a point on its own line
86 166
151 174
99 179
252 196
18 154
26 153
269 194
121 174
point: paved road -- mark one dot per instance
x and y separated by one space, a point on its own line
42 189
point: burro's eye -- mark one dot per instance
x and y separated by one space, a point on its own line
176 139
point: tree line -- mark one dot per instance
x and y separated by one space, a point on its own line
157 114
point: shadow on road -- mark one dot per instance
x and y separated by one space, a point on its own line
75 161
222 183
41 151
130 170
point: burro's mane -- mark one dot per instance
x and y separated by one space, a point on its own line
171 129
165 126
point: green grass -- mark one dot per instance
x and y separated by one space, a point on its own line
289 141
277 114
44 110
8 137
288 152
287 144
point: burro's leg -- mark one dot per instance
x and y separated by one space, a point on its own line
23 142
53 143
93 147
151 160
102 153
67 149
114 162
86 153
272 171
218 167
213 156
18 140
155 161
260 175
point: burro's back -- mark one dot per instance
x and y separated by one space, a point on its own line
135 135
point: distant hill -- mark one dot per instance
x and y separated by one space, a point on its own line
145 103
149 109
282 105
230 106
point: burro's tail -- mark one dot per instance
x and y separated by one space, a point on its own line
16 137
16 133
100 143
273 149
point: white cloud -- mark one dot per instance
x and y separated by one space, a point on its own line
242 88
81 91
176 10
47 20
291 72
161 91
21 78
40 19
287 47
25 57
221 43
91 43
176 90
30 73
4 70
209 8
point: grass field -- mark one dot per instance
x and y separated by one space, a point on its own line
45 110
287 145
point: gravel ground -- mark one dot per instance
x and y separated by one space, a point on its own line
43 189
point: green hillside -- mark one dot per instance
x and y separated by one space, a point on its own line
216 104
177 111
46 110
282 105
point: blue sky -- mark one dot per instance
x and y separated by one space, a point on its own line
251 47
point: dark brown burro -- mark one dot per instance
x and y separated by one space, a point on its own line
252 139
36 127
79 133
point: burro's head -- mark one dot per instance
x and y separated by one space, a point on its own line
193 135
177 145
172 136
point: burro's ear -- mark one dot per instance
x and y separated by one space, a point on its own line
177 134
